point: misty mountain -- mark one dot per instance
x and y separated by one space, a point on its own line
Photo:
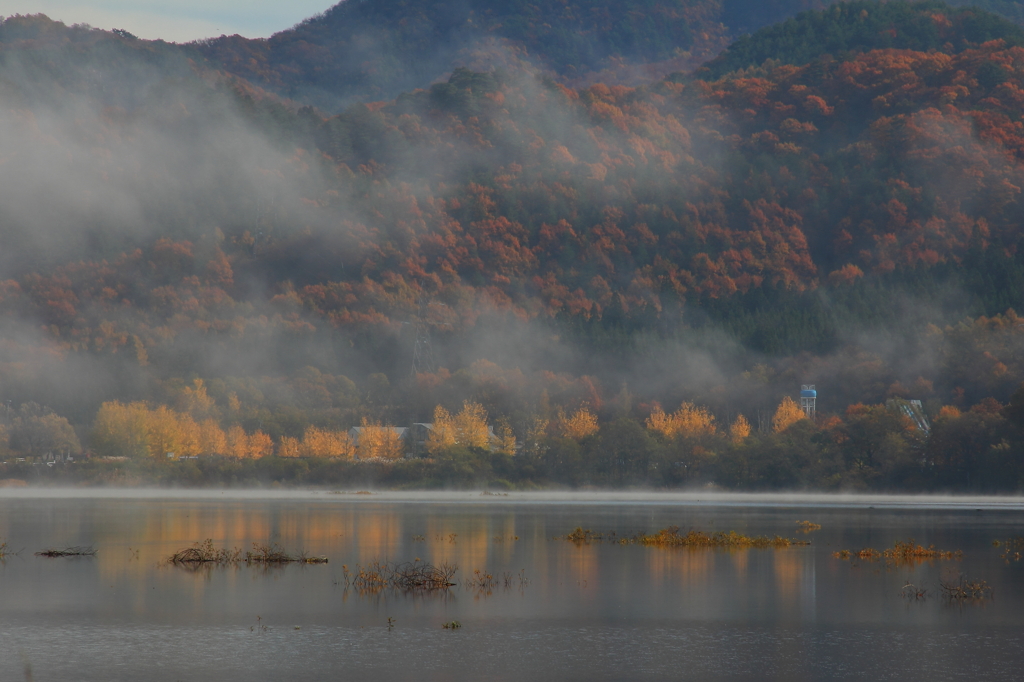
369 50
848 217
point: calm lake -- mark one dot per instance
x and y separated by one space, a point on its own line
598 611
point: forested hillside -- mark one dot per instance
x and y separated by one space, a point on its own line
365 51
368 51
190 255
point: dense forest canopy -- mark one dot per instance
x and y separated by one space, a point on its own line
188 252
361 51
375 49
864 26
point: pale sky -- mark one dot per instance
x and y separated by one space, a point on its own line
176 20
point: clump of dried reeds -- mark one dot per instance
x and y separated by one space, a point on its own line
581 535
1013 549
480 580
205 553
901 553
671 537
414 575
273 554
807 526
67 551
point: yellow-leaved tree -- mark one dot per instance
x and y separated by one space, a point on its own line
289 446
506 438
578 425
689 421
325 443
443 433
378 442
786 415
260 445
212 439
237 443
467 428
136 430
739 430
120 430
471 426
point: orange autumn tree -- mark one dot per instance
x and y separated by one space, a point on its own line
212 439
378 442
241 445
739 430
289 446
471 426
689 421
468 428
137 430
325 443
578 425
443 434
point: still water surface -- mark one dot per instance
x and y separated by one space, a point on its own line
601 611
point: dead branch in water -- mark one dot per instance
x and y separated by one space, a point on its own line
205 553
959 587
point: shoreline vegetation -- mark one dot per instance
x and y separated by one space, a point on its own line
892 447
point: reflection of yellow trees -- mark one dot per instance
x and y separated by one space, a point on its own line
739 430
467 428
786 415
688 421
789 575
578 425
378 442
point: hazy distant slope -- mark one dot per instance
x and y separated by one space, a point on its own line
374 49
107 141
862 26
